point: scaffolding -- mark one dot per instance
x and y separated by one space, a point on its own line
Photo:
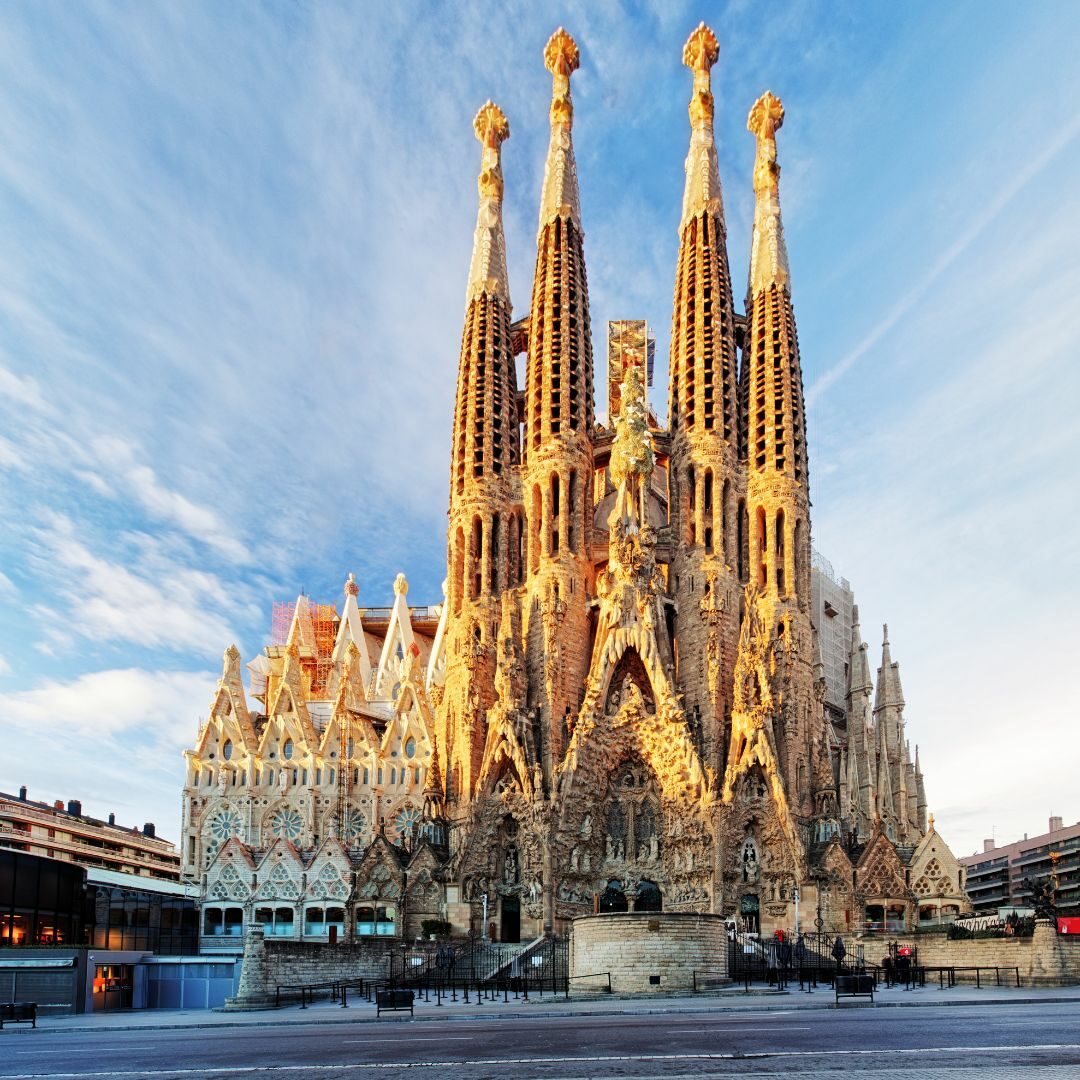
314 637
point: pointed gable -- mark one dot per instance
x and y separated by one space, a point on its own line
280 873
379 874
290 700
231 874
879 872
397 644
352 639
935 870
329 872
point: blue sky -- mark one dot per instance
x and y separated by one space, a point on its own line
236 239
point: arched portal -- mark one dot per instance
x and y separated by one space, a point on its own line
750 912
648 897
613 898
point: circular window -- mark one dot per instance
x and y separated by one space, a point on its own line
286 822
410 747
354 824
225 824
287 749
226 750
407 819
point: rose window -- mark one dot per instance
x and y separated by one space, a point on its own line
287 823
353 825
225 824
407 820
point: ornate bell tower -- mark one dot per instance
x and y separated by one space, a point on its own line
485 518
706 486
557 467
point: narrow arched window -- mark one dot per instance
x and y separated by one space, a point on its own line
779 543
707 509
556 493
762 548
691 507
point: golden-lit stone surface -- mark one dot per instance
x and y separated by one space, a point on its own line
622 683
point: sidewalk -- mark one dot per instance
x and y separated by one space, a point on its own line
732 1000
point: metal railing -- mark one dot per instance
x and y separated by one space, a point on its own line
480 968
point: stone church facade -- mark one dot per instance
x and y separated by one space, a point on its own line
620 701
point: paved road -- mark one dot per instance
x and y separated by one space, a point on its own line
1025 1042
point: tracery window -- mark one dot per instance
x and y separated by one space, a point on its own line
633 833
353 825
286 822
408 818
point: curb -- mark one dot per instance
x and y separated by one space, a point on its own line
530 1014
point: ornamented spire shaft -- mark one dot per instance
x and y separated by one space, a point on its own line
559 384
773 431
768 253
487 271
485 417
702 191
703 368
560 196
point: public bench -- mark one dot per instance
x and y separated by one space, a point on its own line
393 1001
854 986
18 1012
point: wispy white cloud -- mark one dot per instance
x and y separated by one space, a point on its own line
154 602
199 522
1063 136
123 731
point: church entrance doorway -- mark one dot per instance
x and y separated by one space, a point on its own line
510 925
613 898
648 897
750 910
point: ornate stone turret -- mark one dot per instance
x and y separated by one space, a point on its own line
774 437
859 749
485 519
705 483
558 431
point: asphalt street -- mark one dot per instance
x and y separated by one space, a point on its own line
1041 1042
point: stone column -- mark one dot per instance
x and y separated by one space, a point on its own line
254 991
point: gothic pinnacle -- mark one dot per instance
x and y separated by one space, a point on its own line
487 270
700 52
768 254
702 190
560 196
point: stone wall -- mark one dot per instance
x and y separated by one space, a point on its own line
269 963
647 952
1045 959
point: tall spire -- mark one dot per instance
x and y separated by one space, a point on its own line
485 425
560 196
889 692
484 477
559 384
704 477
487 271
774 438
702 191
768 253
703 375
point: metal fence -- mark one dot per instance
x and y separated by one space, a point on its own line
486 970
786 957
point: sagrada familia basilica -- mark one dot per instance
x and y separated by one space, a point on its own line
619 704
